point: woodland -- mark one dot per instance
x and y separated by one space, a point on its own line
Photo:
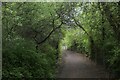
34 34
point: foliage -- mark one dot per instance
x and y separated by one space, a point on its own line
29 34
99 37
34 34
21 60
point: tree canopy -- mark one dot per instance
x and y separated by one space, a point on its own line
34 34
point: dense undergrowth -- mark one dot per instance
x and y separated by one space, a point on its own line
21 60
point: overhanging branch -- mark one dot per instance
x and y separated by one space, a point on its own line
78 24
54 29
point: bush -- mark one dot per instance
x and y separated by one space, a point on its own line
21 60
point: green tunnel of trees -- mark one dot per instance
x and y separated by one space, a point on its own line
34 34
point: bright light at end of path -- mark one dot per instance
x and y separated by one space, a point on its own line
64 47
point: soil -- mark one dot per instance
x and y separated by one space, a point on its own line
76 65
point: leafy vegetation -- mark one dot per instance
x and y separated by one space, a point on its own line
98 33
27 51
34 34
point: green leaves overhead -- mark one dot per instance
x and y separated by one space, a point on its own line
34 33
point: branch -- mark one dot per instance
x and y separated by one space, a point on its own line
19 6
54 29
78 24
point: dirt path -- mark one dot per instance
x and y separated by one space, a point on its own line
76 65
